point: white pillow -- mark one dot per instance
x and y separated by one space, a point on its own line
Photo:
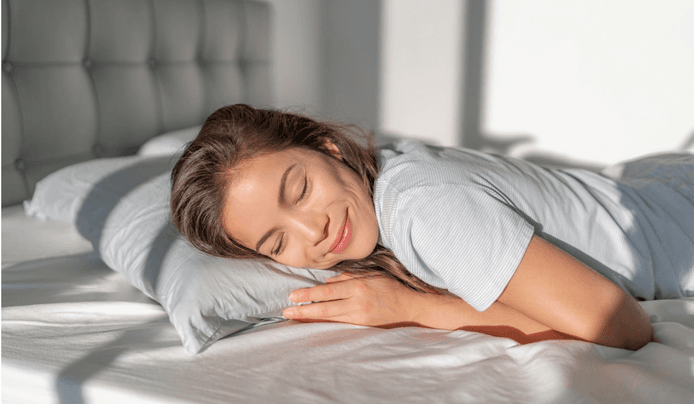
169 143
122 206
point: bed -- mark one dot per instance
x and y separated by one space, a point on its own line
98 97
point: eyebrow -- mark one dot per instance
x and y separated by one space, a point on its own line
281 200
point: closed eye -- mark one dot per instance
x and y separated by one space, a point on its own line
277 250
303 190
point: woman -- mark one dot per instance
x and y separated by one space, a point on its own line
456 238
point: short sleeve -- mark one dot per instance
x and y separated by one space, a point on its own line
464 234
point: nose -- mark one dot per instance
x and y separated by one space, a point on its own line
311 226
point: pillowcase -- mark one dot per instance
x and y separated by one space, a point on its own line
169 143
121 205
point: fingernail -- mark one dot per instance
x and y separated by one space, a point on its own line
293 296
289 313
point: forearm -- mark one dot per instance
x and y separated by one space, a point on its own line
450 313
382 301
599 312
628 327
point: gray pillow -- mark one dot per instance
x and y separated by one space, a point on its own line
169 143
121 205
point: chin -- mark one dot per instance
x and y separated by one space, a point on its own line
363 251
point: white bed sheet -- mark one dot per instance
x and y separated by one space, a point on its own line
74 331
25 239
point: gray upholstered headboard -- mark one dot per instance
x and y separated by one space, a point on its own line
94 78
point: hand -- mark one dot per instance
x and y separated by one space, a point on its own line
361 300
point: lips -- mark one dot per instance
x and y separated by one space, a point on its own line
344 235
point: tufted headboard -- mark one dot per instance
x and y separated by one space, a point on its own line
96 78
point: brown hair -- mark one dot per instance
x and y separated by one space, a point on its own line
235 133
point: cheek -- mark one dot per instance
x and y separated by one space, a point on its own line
293 258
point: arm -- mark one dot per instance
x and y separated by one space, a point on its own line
379 301
451 313
555 289
549 290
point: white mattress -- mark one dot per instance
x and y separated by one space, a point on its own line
75 332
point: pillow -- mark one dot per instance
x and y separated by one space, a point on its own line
121 205
169 143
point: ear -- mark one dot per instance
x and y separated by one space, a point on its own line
334 150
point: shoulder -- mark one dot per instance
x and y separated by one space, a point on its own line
404 155
410 164
409 172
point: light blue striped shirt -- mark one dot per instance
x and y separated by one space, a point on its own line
462 220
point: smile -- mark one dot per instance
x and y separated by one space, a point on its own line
343 238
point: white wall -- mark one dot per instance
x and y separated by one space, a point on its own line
420 71
327 56
299 54
352 60
596 80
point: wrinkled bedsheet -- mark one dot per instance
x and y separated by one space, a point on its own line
74 331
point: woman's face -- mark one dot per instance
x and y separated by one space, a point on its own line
301 208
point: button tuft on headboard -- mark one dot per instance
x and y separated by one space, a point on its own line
20 165
98 78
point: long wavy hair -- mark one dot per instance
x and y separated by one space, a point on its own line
236 133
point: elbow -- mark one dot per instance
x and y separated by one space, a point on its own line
644 339
626 327
632 337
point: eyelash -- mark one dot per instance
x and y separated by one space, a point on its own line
279 247
277 250
303 191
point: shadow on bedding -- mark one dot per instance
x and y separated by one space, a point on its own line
91 222
102 201
70 382
659 372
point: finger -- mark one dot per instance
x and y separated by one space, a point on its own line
320 293
299 296
316 311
